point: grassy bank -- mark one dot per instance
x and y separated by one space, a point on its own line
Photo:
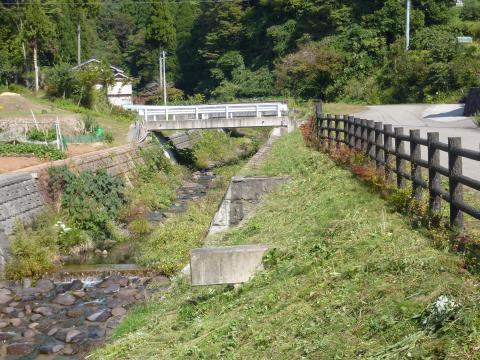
346 279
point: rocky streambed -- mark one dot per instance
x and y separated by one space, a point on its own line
66 319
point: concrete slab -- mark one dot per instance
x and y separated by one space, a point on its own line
225 265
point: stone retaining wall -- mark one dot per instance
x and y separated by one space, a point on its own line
20 198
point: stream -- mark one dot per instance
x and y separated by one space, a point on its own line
73 311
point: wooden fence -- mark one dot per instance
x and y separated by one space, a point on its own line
386 146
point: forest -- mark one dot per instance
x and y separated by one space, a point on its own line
348 50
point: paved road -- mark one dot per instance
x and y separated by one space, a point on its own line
445 119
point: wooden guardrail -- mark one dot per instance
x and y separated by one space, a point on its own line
386 146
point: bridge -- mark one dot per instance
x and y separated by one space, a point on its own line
219 116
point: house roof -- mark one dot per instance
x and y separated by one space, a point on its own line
116 70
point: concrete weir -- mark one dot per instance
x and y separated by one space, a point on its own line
225 265
243 194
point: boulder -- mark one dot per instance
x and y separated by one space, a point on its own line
75 313
5 299
101 315
71 334
44 310
65 299
118 311
51 347
20 349
45 285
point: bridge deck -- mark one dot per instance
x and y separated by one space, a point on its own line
218 123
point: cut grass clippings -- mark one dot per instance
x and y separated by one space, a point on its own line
345 279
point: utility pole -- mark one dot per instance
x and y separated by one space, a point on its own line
79 44
407 31
164 56
160 71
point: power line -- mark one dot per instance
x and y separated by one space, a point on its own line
146 2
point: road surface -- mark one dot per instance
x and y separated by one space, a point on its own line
445 119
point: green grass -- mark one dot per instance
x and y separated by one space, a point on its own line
167 247
347 279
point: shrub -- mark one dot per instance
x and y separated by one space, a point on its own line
42 135
108 137
140 227
32 252
89 199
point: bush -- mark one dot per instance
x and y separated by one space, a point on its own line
90 199
42 135
32 253
108 137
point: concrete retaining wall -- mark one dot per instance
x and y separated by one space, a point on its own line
242 196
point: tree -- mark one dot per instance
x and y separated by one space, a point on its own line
39 31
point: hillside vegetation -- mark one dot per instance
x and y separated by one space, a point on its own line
345 278
223 50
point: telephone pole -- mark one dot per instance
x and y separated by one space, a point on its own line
160 72
407 31
164 56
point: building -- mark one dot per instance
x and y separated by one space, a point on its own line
121 92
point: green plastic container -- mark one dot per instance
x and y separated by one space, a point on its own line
99 133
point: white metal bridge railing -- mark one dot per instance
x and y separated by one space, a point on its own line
151 112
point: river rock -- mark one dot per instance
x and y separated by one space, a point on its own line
52 331
33 325
5 299
114 279
29 333
6 335
79 294
45 285
126 294
95 332
26 283
113 322
21 315
51 347
3 324
71 334
68 350
36 317
74 313
76 285
101 315
4 291
20 349
16 322
112 289
118 311
65 299
44 310
8 310
28 309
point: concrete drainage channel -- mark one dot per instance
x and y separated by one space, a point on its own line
235 264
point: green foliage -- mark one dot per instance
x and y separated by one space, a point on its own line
37 150
42 135
32 253
89 200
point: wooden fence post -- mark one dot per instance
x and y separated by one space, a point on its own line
346 129
351 132
416 170
378 145
338 120
434 200
322 129
358 134
364 136
455 188
388 145
400 163
329 130
371 139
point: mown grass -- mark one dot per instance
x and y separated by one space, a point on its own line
346 278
